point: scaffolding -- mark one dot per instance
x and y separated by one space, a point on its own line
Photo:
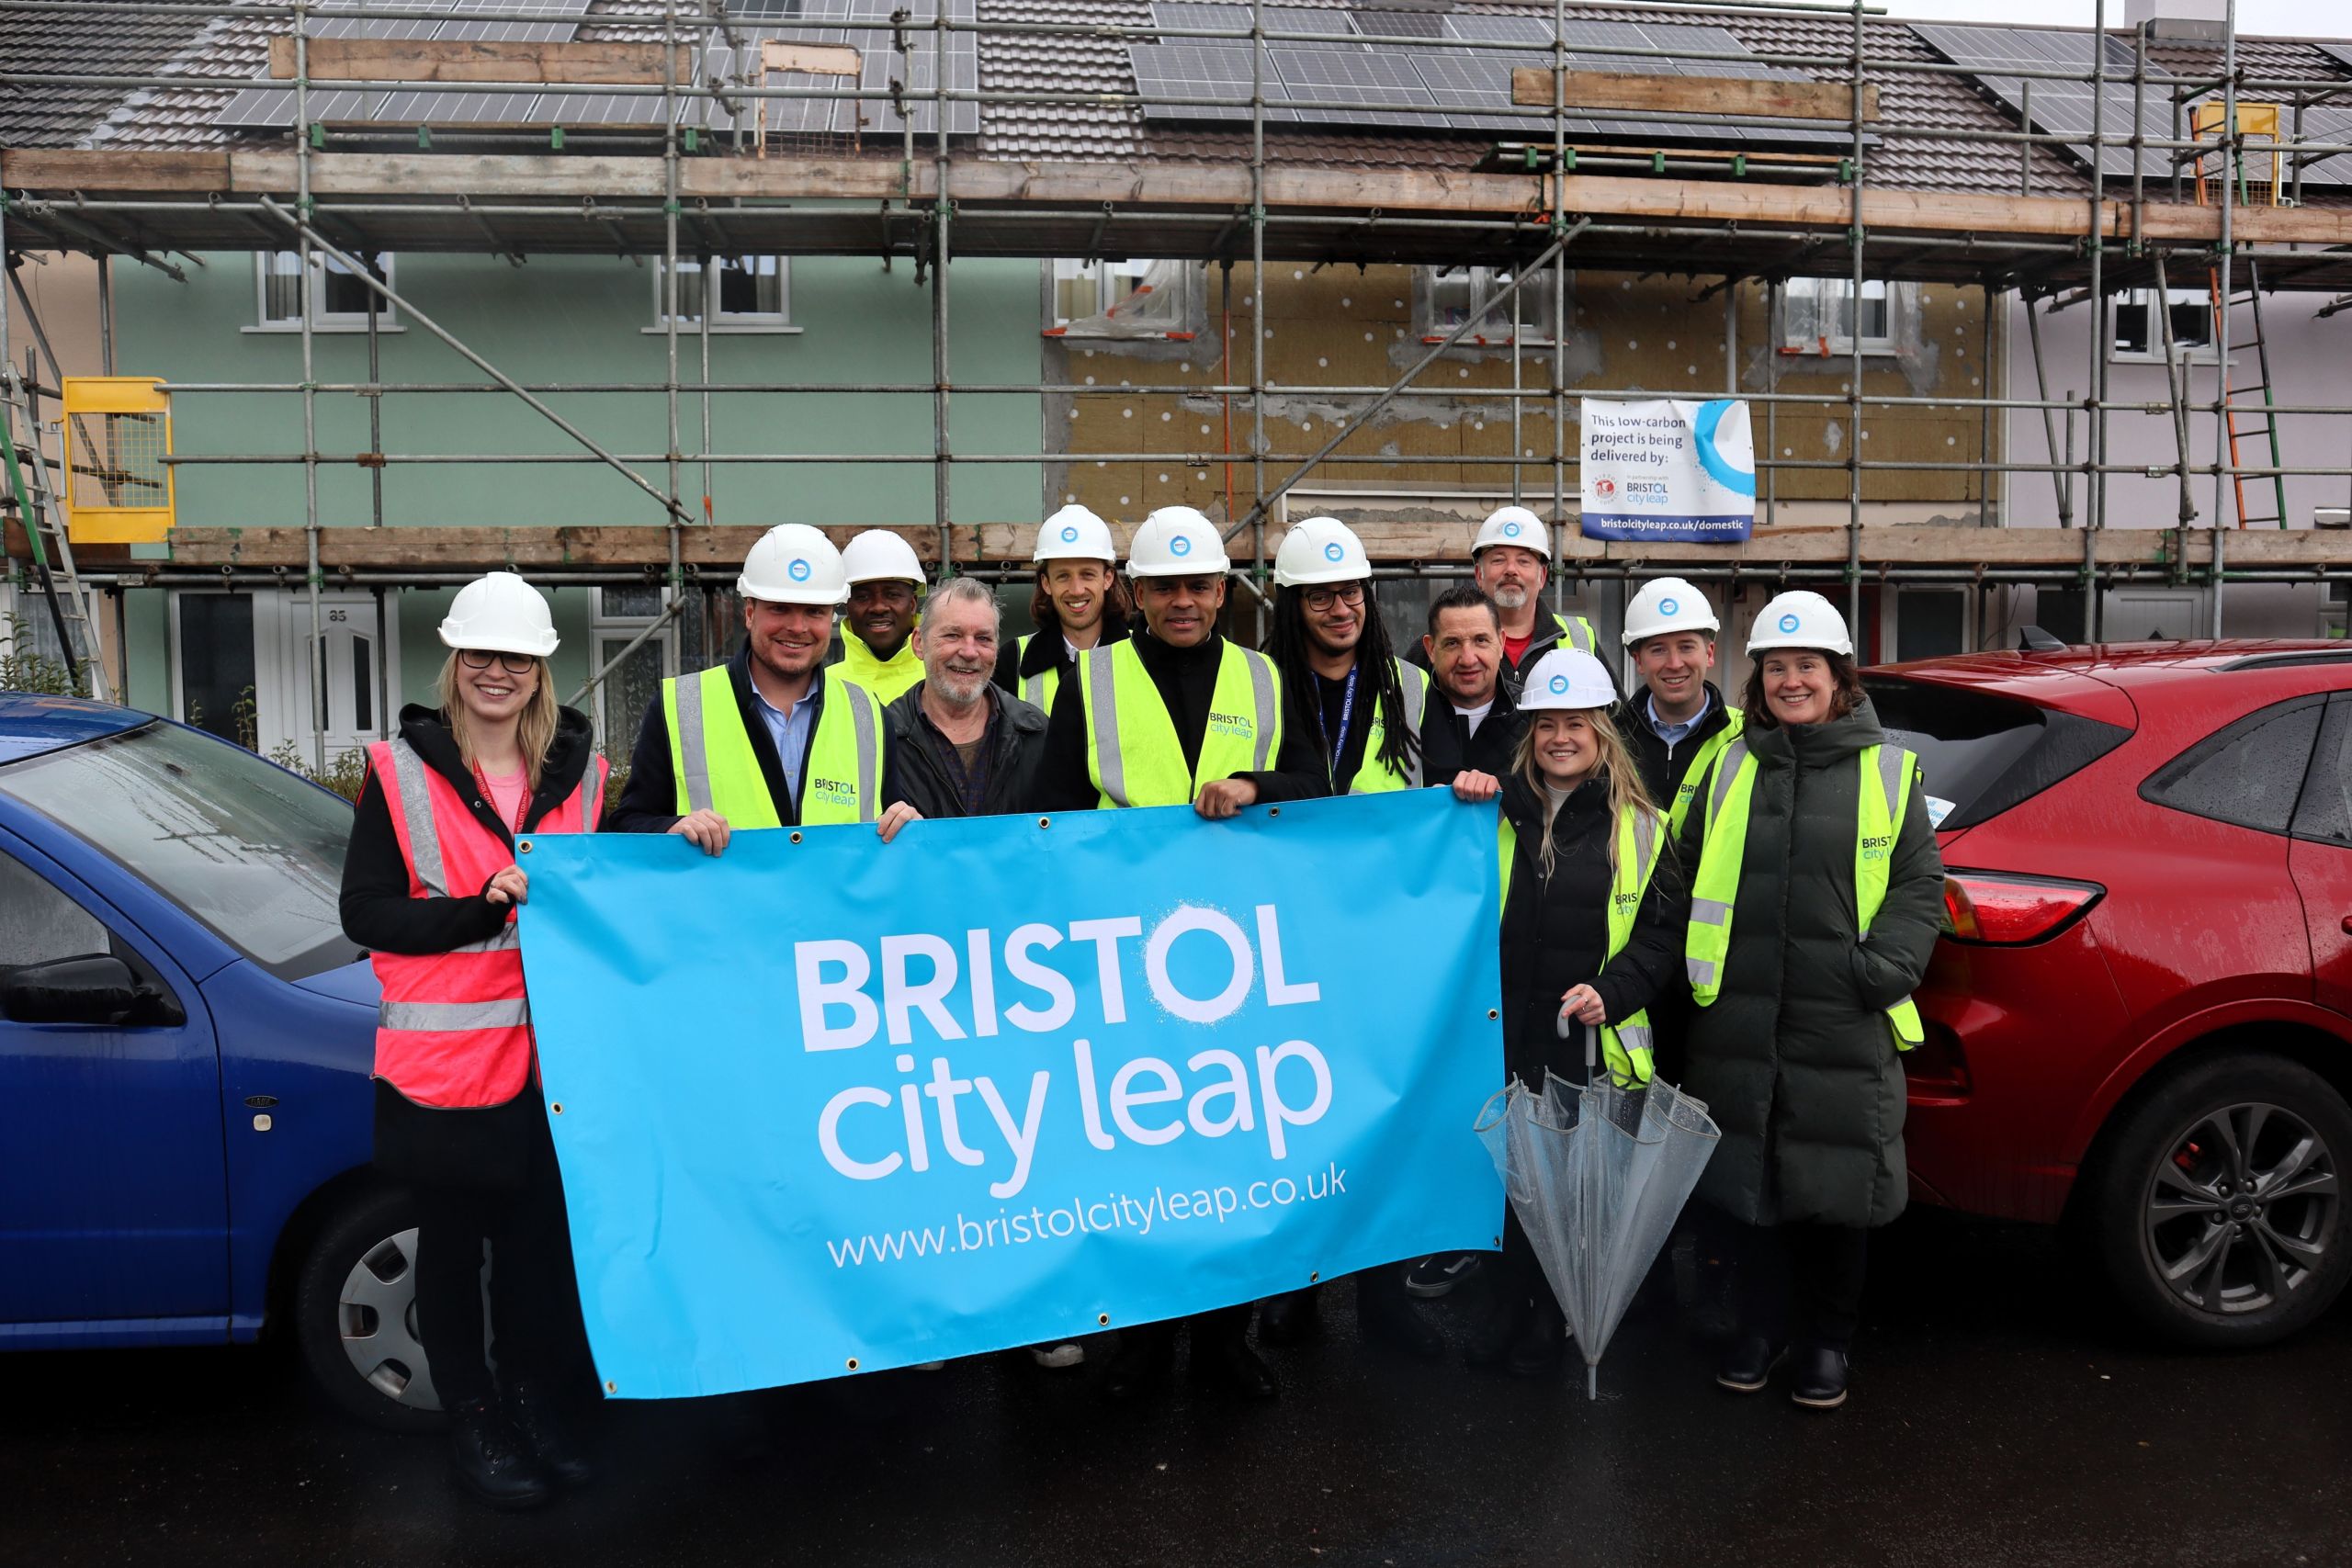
681 192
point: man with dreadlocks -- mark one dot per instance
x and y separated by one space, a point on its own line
1343 686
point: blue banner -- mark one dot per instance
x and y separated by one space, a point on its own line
825 1105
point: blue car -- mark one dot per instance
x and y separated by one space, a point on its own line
185 1035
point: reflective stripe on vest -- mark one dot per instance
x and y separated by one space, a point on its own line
716 769
1696 774
1374 776
453 1028
1133 753
1629 1047
1036 690
1576 631
1883 797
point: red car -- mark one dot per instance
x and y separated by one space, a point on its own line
2140 1021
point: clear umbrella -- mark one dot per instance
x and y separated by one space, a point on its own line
1597 1175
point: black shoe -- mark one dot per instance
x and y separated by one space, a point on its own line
1291 1318
548 1432
1490 1343
1385 1315
1141 1365
1225 1360
1748 1365
1542 1343
1433 1277
1818 1381
490 1459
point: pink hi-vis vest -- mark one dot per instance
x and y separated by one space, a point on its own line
453 1029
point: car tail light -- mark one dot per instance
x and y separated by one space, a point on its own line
2008 910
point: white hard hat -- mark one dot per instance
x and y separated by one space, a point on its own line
1567 678
1513 525
1800 619
880 554
794 564
1176 541
1320 550
500 613
1075 534
1668 605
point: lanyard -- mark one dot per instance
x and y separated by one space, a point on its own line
522 810
1347 718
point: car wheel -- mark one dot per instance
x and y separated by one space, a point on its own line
355 1306
2217 1208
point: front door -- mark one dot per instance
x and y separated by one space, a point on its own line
113 1182
357 659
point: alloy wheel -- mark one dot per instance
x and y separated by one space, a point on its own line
2241 1208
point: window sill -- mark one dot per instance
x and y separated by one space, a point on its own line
2190 357
1065 333
1838 351
294 329
726 329
1479 340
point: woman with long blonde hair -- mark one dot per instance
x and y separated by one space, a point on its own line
430 887
1592 918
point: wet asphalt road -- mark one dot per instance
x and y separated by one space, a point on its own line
1997 1419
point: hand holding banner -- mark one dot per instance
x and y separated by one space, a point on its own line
830 1106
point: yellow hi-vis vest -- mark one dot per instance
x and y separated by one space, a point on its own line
1131 750
1036 689
1885 793
1576 631
716 769
1627 1047
1375 777
1678 811
888 679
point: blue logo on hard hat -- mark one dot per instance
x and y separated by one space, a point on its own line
1510 530
1335 551
1180 546
799 570
1789 622
1559 685
1669 606
1069 533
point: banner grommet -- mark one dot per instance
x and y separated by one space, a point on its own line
1102 1320
555 1108
1494 1012
853 1363
1045 821
612 1388
795 835
522 846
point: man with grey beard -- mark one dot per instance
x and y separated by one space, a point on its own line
959 746
1511 561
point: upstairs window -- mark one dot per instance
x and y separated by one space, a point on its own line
2140 331
1447 297
754 294
1135 298
339 301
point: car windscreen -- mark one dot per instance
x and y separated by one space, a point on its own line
253 852
1981 753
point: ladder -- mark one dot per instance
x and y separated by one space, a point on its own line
36 505
2248 406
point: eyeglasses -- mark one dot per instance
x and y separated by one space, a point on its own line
1321 599
513 663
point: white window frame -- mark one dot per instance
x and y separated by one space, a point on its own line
1536 329
2183 352
778 322
602 623
1899 298
387 319
1064 269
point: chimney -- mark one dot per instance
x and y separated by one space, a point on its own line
2190 21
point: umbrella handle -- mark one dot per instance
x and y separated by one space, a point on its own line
1564 1024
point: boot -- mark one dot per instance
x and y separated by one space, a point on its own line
1542 1342
1489 1343
1221 1356
1140 1367
1291 1318
548 1432
490 1459
1385 1315
1746 1366
1818 1381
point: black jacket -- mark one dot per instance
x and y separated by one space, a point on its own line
1186 679
1555 929
1663 769
1320 710
1448 747
377 913
1046 651
918 773
648 801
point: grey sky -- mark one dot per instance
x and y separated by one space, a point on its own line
2281 18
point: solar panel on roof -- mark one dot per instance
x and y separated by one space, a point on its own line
1381 87
272 107
1188 67
1399 24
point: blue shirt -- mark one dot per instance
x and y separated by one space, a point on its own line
1675 733
791 728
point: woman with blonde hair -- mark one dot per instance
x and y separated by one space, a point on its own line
430 888
1592 916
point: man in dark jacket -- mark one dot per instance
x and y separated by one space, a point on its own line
958 746
1676 722
1472 724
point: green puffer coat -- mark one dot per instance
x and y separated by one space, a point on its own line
1796 1059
